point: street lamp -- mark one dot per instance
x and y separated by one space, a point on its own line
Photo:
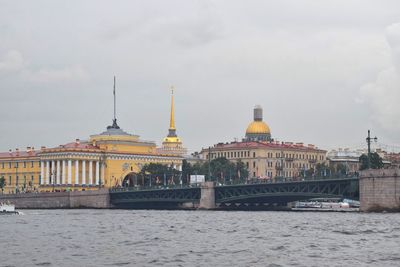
369 139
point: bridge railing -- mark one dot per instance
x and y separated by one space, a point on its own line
159 187
282 180
252 181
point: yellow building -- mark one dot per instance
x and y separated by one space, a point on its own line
20 170
109 159
264 157
172 144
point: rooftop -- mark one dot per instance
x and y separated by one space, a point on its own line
272 145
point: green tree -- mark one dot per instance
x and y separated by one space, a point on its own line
322 170
309 173
2 184
157 172
341 170
376 161
241 172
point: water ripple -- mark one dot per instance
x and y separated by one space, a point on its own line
193 238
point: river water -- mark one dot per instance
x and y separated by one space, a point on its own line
198 238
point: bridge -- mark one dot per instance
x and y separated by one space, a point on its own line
243 195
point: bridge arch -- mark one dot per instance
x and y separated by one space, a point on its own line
130 180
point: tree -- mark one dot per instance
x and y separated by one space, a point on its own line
375 163
241 171
157 173
341 170
2 184
322 170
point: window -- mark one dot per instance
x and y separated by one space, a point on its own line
40 179
2 165
32 164
16 164
40 164
9 180
254 164
247 165
16 181
254 154
24 164
9 165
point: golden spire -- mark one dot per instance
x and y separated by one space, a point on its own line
172 120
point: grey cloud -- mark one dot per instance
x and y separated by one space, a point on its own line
383 94
12 61
303 61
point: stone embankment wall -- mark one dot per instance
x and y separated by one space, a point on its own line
380 190
98 199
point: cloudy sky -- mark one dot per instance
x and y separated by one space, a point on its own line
324 71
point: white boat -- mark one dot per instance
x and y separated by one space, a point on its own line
322 205
7 208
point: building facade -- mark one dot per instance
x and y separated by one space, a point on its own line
346 159
113 158
269 160
265 158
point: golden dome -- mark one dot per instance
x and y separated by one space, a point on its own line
258 127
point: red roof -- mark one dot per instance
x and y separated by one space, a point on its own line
19 154
72 146
272 145
78 145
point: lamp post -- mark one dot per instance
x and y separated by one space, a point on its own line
369 139
209 163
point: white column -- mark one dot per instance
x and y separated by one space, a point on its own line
42 172
63 175
102 174
69 171
97 173
83 172
53 167
76 171
90 173
47 172
58 180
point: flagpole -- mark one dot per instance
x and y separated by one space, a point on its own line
115 103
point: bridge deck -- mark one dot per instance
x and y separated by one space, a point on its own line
246 193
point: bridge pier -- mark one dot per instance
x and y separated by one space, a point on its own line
380 190
207 200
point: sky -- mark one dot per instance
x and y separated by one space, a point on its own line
324 71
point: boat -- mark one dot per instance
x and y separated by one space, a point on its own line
7 208
323 205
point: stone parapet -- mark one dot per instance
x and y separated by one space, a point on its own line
97 199
380 190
